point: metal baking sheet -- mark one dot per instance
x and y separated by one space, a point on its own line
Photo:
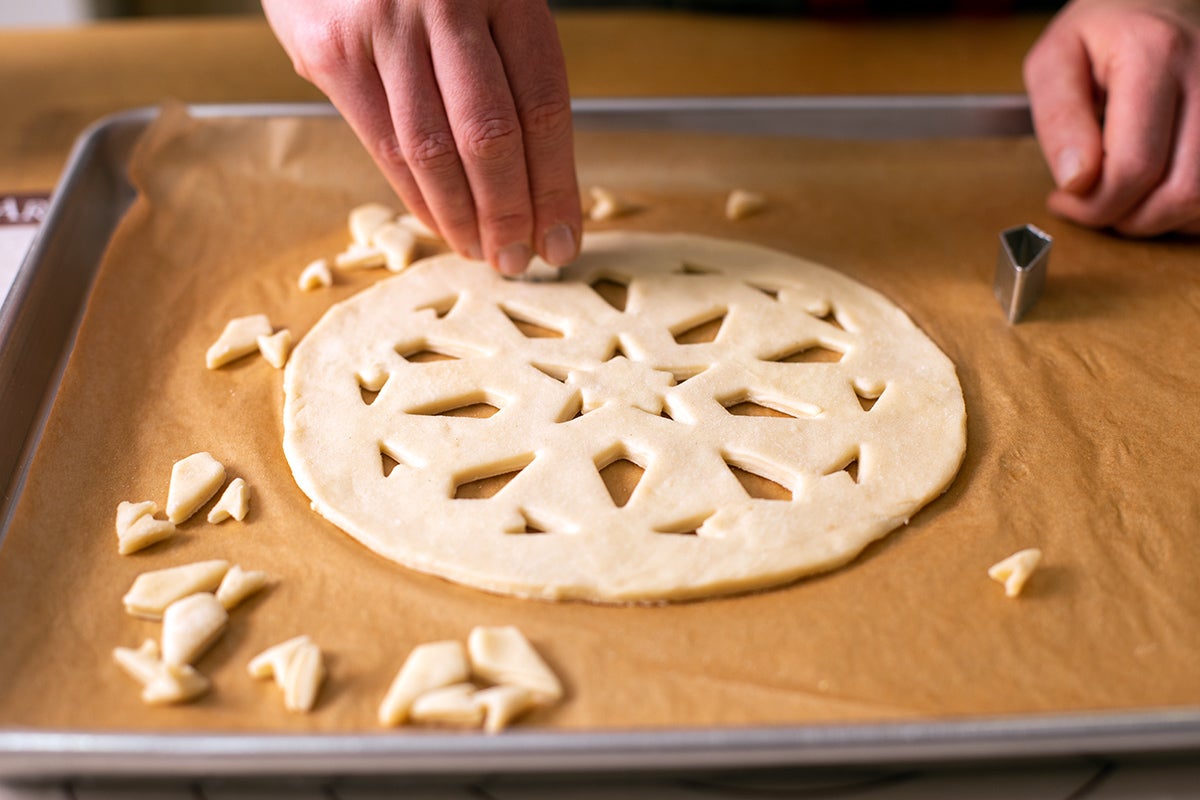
38 321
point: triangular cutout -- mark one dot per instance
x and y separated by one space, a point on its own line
867 399
615 293
618 350
702 332
529 328
688 268
552 370
368 396
482 485
387 462
745 405
531 526
441 307
573 409
759 486
830 318
767 290
809 353
621 477
849 467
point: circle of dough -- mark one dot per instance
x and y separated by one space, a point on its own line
618 384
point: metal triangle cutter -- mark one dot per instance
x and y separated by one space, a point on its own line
1021 269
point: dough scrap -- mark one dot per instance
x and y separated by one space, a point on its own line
275 348
316 275
152 592
429 666
454 704
194 480
1015 570
741 204
239 338
238 584
137 527
234 502
766 367
191 625
503 655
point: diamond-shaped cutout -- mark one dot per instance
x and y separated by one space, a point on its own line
615 293
702 332
531 328
621 476
746 405
486 482
475 405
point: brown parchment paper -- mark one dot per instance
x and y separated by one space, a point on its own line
1083 429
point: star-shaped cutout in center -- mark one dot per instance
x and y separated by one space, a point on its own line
622 382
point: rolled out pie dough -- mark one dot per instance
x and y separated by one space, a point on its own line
580 376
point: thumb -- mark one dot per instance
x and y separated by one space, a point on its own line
1058 78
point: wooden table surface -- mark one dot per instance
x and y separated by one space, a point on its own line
53 83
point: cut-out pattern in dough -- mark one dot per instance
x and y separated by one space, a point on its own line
629 456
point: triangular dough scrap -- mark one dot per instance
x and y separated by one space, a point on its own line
1015 570
275 348
429 666
239 338
153 591
137 527
502 655
238 584
194 480
316 275
234 502
367 219
454 705
191 625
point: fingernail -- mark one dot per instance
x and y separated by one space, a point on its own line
559 245
474 252
1068 167
513 260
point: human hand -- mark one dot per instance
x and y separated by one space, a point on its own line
464 106
1115 91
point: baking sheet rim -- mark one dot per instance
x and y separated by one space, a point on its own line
31 755
26 754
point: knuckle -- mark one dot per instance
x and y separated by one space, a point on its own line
432 151
324 48
1161 39
491 139
548 118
